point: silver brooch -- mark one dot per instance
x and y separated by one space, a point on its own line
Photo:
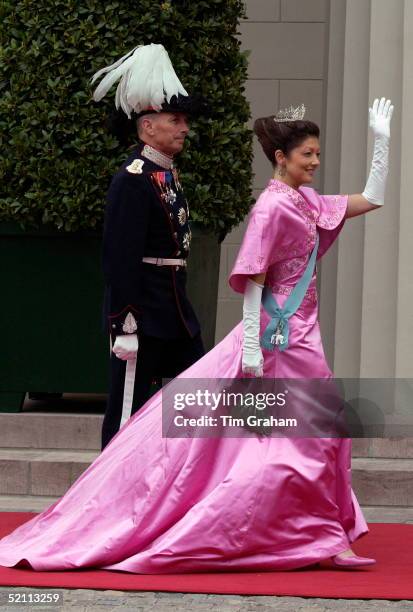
136 166
277 339
129 326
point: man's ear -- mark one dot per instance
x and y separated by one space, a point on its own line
147 125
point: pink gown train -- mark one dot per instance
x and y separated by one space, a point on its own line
153 505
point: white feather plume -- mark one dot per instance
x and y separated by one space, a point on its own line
112 66
147 78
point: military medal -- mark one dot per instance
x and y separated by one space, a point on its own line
186 240
182 216
167 193
170 195
176 179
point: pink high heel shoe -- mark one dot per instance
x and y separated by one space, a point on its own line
351 561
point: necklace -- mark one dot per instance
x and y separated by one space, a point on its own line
158 158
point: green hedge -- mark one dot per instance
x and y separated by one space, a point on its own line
56 158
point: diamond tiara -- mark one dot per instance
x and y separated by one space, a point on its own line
290 114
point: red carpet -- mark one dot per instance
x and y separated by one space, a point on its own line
391 578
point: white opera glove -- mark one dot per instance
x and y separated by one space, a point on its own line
126 347
252 359
380 117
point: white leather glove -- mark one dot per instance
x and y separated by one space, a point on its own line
252 359
380 117
126 347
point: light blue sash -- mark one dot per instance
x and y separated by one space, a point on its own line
278 325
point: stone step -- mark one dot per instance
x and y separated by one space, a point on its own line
383 482
25 503
77 431
384 514
40 471
50 430
397 448
38 503
45 472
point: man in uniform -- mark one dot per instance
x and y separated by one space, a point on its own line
153 328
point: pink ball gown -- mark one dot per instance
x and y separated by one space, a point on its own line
155 505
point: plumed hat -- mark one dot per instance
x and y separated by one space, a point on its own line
147 83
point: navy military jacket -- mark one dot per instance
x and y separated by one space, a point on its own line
146 216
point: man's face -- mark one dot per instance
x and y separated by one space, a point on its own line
165 132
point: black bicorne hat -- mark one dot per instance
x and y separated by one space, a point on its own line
193 106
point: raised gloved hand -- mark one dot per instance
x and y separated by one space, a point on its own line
380 117
126 347
252 359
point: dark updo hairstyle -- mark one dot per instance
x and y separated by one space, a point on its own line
283 135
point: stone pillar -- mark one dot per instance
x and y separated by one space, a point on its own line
404 314
373 287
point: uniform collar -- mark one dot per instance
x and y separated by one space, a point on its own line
158 158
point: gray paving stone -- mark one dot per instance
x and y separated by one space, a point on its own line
88 600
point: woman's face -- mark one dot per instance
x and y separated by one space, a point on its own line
301 162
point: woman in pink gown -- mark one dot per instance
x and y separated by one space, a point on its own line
151 504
